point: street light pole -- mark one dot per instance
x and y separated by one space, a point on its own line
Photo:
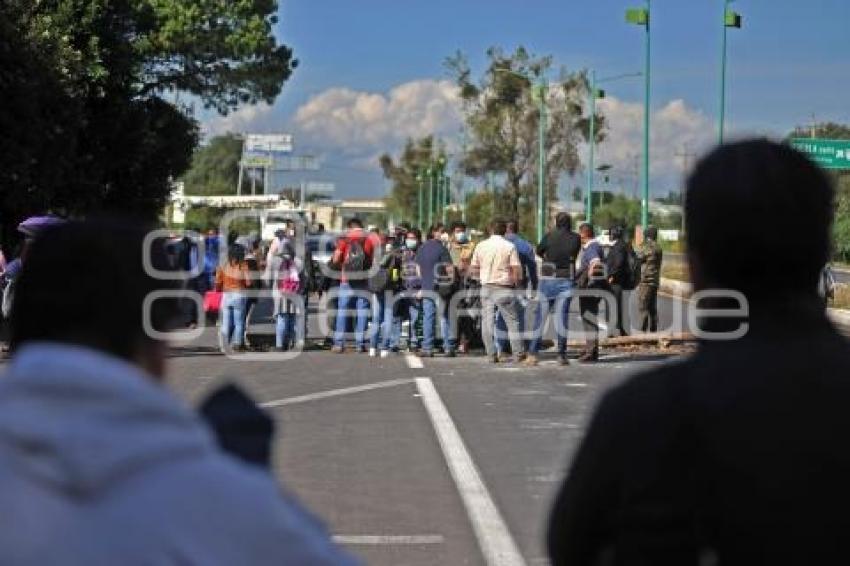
447 189
731 19
430 173
419 183
541 162
592 143
641 16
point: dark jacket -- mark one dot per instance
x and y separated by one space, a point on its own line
739 451
428 256
617 263
559 249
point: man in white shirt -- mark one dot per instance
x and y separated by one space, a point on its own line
495 262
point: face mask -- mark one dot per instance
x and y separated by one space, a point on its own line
461 237
444 237
291 233
410 244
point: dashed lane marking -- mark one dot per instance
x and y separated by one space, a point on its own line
413 362
495 540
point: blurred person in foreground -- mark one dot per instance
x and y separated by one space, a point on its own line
99 463
737 454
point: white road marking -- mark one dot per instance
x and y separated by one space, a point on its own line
388 539
576 384
334 393
495 540
413 362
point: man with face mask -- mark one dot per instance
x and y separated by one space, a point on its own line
461 247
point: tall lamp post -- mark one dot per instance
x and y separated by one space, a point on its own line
731 19
430 174
640 17
540 94
420 179
447 189
595 93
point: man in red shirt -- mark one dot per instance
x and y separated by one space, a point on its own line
353 256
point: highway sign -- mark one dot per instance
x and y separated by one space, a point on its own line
829 154
268 143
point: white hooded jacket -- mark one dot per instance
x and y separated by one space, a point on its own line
99 465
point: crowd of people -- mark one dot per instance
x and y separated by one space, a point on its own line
385 292
733 455
497 292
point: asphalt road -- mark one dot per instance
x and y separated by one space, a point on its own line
420 461
416 461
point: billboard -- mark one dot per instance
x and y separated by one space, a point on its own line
267 143
262 150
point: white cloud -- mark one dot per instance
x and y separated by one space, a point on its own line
246 119
365 124
674 128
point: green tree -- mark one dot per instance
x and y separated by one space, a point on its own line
502 120
416 156
103 79
215 167
479 209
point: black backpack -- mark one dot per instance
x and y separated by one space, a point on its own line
633 271
447 282
355 258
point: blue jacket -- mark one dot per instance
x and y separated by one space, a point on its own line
526 258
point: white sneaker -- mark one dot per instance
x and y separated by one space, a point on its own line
373 352
385 353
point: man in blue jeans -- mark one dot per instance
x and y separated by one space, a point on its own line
559 250
529 282
430 257
354 255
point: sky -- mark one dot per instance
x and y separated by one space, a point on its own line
371 75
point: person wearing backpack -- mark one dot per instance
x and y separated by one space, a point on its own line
287 284
354 254
619 275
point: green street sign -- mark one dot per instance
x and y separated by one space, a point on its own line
829 154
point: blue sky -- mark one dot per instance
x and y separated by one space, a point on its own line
790 60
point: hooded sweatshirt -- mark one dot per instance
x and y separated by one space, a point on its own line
99 465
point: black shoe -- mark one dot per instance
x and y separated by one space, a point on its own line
451 354
426 354
563 360
493 358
